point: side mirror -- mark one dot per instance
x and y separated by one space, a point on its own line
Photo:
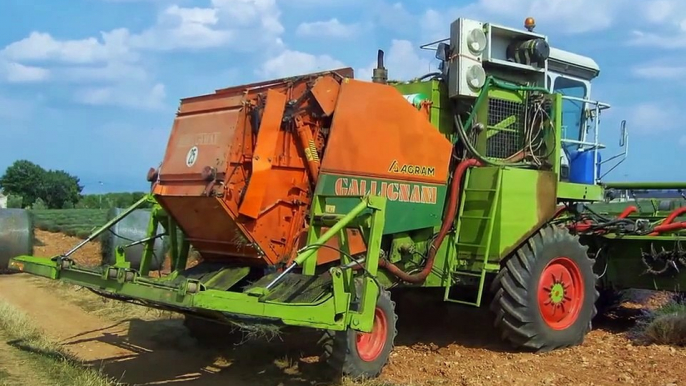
442 51
622 134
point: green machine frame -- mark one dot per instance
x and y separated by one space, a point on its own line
265 299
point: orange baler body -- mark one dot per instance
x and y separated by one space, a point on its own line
241 164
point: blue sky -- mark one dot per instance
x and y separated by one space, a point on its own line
91 86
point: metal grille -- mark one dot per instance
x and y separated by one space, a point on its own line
505 128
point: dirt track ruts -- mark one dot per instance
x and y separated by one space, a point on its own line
438 344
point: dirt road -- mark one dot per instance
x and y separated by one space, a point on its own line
437 344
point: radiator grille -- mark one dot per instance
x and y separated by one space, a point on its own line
505 128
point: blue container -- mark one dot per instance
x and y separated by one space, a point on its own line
581 167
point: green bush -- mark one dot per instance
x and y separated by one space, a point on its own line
44 225
83 234
39 204
14 201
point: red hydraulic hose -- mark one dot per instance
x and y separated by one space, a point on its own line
629 210
445 227
668 221
668 227
586 224
676 213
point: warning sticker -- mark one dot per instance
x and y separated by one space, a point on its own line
192 156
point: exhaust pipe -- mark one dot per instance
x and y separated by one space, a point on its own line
380 74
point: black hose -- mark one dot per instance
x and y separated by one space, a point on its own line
463 137
434 74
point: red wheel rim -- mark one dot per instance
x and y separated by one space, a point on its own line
560 293
370 344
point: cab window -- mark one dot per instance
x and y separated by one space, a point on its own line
572 110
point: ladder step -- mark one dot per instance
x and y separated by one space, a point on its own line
470 274
479 190
470 245
476 217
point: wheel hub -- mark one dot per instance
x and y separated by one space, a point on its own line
371 344
560 293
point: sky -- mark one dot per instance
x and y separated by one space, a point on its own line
92 86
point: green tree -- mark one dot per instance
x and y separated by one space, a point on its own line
56 188
14 202
60 188
23 178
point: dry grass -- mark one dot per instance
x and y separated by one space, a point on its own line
664 326
45 357
95 304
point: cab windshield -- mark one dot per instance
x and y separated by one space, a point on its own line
572 110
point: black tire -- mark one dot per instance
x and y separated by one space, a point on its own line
516 289
341 349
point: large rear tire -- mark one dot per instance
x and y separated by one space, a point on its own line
545 294
360 355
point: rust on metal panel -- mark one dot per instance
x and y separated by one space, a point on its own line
546 199
546 195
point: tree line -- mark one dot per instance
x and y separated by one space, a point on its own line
28 185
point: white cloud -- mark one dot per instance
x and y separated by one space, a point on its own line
402 61
329 28
393 16
666 40
657 11
290 63
255 15
128 95
559 16
39 46
653 117
18 73
112 64
668 29
183 28
660 71
113 72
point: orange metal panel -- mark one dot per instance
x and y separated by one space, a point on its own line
325 91
209 102
196 142
263 157
273 194
375 132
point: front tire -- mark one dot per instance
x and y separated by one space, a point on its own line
361 355
545 294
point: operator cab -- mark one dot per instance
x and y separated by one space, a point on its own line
570 75
476 50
